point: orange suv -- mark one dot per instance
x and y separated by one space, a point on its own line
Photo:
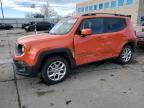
75 41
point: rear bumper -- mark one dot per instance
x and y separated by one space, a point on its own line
24 69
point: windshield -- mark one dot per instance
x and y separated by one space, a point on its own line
63 26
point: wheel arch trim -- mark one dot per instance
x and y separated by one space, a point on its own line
66 51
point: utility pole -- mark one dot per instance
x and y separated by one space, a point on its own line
2 8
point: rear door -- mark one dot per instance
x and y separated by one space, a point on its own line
114 35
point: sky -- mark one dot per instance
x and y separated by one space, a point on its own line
18 8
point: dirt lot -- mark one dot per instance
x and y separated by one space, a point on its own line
97 85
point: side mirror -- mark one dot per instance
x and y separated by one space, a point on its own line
85 32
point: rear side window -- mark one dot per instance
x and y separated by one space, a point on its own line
95 24
114 24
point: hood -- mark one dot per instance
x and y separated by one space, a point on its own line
36 38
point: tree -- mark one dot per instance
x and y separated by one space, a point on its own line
29 15
48 12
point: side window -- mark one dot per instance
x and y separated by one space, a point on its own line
95 24
38 23
45 24
114 24
41 24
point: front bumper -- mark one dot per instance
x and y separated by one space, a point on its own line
24 69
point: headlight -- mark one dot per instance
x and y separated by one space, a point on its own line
20 49
23 49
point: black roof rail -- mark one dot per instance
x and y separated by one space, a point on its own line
92 14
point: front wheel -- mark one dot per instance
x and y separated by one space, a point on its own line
126 55
55 70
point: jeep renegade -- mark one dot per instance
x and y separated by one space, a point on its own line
75 41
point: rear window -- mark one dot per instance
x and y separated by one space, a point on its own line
114 24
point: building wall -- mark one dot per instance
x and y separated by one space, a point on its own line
128 7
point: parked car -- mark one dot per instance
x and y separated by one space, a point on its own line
39 26
5 26
75 41
27 24
140 36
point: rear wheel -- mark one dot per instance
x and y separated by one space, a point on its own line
55 70
126 55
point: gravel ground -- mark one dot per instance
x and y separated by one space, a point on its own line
98 85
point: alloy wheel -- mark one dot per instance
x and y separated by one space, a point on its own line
56 70
126 54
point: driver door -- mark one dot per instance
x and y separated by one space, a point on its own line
91 47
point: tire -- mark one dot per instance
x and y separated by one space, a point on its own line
7 28
52 77
31 29
126 55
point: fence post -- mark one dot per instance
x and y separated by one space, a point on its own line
17 23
